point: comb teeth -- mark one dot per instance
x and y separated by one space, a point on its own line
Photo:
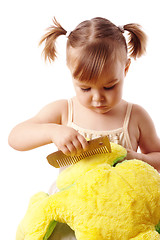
96 146
68 160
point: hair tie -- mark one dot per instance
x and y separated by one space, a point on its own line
68 33
121 28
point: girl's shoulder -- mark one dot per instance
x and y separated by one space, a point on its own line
141 117
139 112
148 139
54 112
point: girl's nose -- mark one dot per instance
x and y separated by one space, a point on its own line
97 96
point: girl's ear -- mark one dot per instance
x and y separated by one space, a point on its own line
127 66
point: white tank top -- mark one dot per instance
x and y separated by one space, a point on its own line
119 135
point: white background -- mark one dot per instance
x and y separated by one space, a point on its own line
27 84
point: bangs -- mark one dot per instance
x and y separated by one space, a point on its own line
92 60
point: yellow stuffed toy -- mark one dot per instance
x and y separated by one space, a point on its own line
99 201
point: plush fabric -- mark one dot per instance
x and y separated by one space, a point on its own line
100 202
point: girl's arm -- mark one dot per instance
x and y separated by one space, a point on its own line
149 142
48 126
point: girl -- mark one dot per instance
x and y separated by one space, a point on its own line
98 58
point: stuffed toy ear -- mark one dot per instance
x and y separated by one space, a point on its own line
72 173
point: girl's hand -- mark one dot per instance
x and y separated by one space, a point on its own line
133 155
68 140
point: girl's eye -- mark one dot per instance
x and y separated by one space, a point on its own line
85 89
109 88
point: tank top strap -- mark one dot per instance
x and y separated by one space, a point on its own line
70 111
127 117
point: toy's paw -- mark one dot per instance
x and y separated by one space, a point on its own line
36 223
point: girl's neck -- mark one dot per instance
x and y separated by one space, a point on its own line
86 118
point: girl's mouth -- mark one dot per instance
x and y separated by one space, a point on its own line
101 106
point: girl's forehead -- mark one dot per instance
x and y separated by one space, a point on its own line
112 69
111 74
76 59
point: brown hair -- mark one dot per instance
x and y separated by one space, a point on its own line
97 41
50 38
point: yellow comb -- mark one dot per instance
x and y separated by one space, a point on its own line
95 146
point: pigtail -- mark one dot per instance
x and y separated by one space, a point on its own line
137 40
50 37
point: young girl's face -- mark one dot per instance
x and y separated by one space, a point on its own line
106 92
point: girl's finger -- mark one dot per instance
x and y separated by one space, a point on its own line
65 150
72 149
77 145
83 142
